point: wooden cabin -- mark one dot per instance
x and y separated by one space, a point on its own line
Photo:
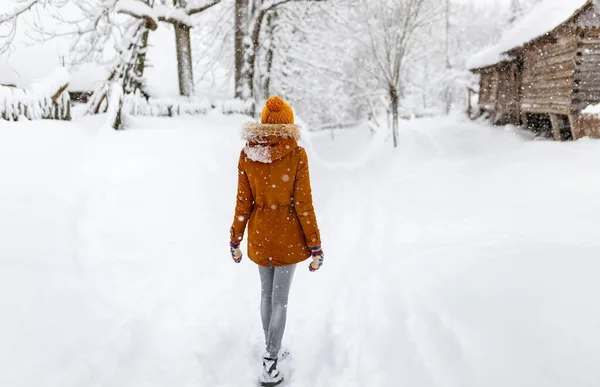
545 82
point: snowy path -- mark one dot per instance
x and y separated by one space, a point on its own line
466 258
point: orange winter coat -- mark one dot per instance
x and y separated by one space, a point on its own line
274 197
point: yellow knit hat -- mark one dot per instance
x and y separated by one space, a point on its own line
277 111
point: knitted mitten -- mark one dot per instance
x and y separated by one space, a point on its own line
317 258
236 253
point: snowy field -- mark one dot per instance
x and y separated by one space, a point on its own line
469 257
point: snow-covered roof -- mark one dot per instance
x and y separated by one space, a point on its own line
543 18
29 64
487 57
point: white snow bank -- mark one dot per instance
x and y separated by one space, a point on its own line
543 18
468 257
592 110
53 83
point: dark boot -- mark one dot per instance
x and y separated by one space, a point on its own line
270 376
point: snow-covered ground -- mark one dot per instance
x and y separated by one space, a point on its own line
466 258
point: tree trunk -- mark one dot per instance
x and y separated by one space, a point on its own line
270 54
241 11
183 42
395 101
141 62
249 71
250 53
184 60
247 39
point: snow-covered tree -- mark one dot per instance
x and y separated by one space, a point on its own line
178 13
433 82
312 57
12 12
250 17
98 26
128 72
392 26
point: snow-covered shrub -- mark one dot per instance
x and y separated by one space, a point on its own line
137 105
46 99
236 106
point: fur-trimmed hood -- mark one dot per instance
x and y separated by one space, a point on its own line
270 142
255 132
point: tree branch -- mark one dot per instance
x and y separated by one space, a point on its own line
17 12
138 10
195 10
149 20
272 4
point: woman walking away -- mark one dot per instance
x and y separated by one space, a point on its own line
274 199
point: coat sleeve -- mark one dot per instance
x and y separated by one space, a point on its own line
303 203
244 204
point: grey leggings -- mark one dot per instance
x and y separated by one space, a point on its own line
275 289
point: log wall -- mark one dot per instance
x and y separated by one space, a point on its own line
587 71
488 89
509 94
548 74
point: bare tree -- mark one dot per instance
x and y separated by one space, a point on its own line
392 25
10 20
250 15
98 26
179 13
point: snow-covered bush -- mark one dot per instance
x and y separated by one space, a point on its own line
137 105
46 99
236 106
